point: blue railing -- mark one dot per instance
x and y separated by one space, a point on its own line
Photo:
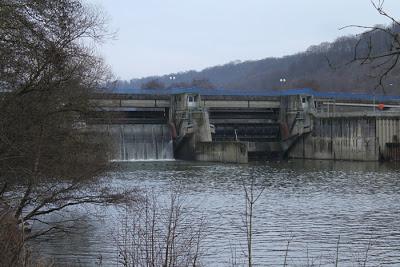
297 91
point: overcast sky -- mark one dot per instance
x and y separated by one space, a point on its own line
156 37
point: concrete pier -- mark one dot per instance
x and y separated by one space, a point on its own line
232 131
228 152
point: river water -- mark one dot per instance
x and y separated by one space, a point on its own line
308 203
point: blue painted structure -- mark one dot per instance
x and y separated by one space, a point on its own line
223 92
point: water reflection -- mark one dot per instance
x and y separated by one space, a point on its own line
311 203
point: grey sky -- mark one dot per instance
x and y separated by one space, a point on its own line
165 36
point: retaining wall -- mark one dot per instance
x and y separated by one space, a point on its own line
340 138
230 152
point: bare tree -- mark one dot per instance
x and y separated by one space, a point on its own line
382 58
202 83
153 84
195 83
48 72
251 195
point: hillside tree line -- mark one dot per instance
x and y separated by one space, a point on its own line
367 62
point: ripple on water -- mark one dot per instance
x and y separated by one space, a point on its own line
310 203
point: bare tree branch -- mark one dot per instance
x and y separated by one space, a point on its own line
384 62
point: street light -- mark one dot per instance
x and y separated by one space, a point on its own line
282 81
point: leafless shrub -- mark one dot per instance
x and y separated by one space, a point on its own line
161 234
252 193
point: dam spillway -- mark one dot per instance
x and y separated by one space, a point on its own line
140 142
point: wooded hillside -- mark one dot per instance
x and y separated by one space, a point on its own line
324 67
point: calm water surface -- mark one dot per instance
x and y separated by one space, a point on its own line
310 203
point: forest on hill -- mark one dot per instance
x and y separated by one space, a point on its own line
329 66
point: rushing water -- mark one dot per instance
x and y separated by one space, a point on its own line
142 142
309 203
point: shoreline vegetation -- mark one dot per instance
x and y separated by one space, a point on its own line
49 161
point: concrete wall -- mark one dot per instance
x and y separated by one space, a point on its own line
185 149
340 138
295 116
388 136
229 152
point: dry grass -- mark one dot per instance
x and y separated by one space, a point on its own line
13 248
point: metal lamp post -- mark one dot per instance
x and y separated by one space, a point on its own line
282 81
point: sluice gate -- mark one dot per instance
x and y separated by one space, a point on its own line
253 125
257 128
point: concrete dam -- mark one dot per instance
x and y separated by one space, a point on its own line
221 126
